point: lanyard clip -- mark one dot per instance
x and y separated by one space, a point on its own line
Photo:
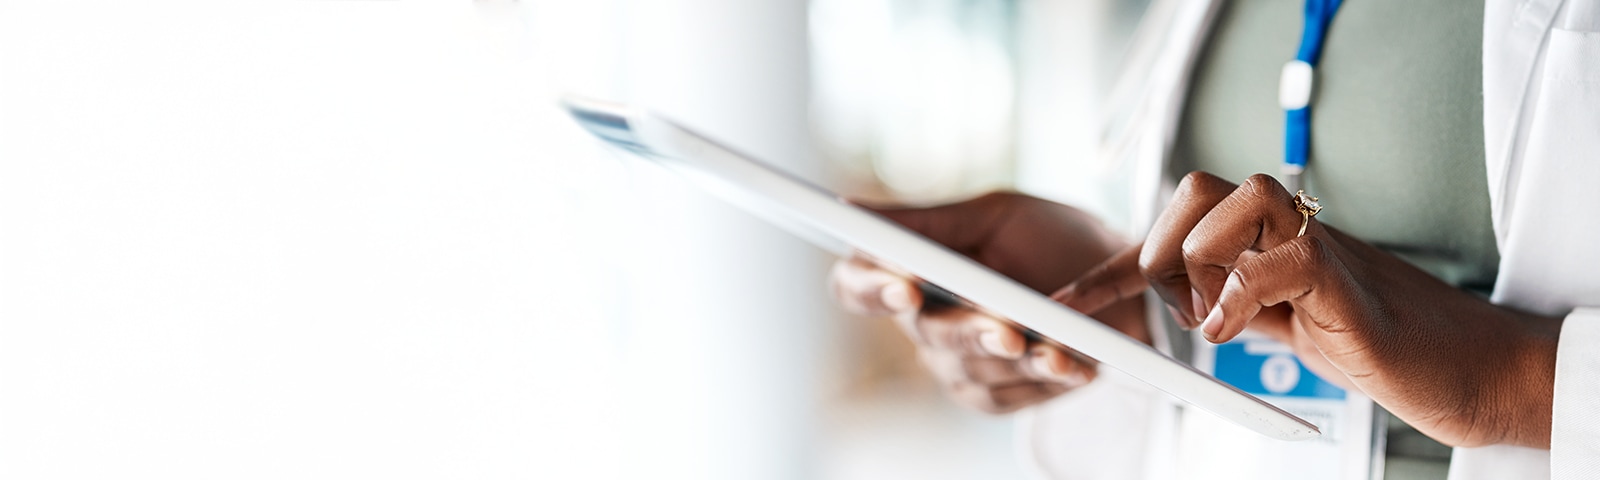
1294 86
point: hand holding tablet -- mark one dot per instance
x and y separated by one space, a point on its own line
982 362
832 223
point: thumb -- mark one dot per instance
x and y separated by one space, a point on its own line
863 287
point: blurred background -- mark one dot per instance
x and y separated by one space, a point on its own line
357 239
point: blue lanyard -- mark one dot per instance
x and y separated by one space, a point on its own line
1295 88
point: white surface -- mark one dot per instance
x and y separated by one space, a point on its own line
291 240
904 432
725 344
359 240
1102 431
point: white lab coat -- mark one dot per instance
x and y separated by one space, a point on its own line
1541 85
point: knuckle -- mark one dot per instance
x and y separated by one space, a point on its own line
937 336
1149 258
1156 266
1261 185
1309 252
1244 278
1192 247
953 331
989 371
1300 257
1199 181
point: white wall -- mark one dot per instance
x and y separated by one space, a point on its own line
356 240
1069 54
728 388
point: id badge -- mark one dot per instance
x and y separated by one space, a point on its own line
1351 444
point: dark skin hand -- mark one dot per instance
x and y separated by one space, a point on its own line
1226 257
982 362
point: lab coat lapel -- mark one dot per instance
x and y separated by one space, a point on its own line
1160 115
1539 124
1514 33
1540 135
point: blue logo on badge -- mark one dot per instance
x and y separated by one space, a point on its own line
1265 367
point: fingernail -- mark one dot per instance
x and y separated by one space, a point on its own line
1213 324
896 297
1065 294
1198 300
1043 365
1076 379
990 341
1177 316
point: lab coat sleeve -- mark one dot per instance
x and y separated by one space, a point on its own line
1575 426
1547 255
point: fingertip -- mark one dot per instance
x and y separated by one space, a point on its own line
990 341
1086 299
1229 317
899 297
857 284
1211 328
1182 308
1088 373
1066 294
1232 313
1198 303
1076 298
1040 365
1002 341
1177 316
1054 365
1104 285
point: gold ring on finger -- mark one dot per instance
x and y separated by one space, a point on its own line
1308 206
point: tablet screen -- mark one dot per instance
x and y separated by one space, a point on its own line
825 219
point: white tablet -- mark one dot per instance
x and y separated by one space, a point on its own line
824 218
